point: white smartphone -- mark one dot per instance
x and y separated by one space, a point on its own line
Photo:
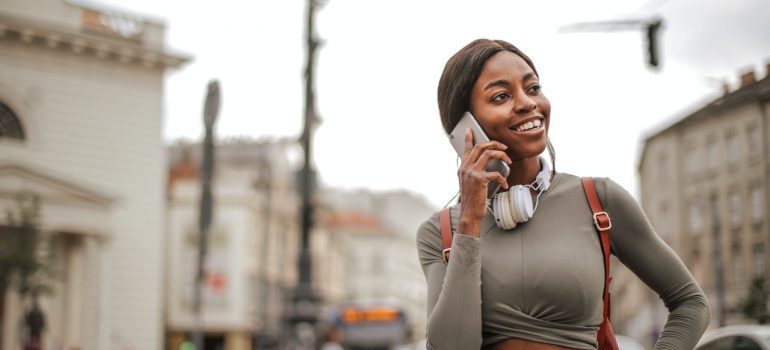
457 139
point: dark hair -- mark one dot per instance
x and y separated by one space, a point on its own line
460 74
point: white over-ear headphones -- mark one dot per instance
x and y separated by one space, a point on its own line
515 206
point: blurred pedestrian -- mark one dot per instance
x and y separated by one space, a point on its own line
527 268
34 320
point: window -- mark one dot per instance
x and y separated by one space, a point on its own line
737 260
692 159
745 343
736 215
696 218
754 140
719 344
662 168
10 126
759 259
377 263
734 342
712 156
757 209
732 148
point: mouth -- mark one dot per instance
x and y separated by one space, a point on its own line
529 125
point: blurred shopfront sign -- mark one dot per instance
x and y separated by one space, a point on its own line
113 24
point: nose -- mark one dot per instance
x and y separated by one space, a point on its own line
524 104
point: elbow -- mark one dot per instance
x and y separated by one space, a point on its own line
432 338
443 335
693 309
705 309
700 310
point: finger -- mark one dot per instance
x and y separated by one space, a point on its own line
494 176
490 154
478 149
468 143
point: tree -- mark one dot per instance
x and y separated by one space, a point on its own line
755 304
22 267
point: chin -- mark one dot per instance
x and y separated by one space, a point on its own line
526 151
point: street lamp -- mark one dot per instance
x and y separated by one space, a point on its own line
651 26
210 113
304 307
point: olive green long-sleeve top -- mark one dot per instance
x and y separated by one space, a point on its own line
543 280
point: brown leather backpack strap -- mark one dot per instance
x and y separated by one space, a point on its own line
446 232
603 224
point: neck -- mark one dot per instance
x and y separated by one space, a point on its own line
524 171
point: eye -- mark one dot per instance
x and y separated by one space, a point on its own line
501 97
535 89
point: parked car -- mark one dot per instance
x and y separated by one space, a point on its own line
743 337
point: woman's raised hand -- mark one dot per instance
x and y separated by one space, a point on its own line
474 180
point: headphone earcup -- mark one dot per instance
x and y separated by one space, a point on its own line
496 211
521 206
515 205
501 209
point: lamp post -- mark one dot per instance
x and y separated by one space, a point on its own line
651 26
210 113
304 307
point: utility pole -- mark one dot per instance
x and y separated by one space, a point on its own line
210 113
304 309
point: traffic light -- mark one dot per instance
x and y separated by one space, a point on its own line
652 43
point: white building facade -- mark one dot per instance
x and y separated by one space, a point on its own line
374 234
81 92
250 266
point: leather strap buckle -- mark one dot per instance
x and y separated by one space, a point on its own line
445 253
602 221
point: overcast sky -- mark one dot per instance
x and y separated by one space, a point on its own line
380 62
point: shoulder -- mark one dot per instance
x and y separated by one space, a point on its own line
606 188
430 229
613 194
429 244
429 232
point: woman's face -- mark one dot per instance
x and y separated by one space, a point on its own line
508 103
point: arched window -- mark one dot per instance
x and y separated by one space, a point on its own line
10 126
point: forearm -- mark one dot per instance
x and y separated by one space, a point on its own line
454 322
686 322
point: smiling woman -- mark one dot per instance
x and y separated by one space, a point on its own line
533 278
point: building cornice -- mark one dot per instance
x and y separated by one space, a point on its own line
53 37
756 92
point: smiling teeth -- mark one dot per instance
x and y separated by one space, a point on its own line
530 125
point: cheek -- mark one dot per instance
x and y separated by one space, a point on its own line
546 108
545 105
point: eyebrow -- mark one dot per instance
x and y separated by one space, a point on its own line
503 82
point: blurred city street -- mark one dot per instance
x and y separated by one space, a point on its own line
243 175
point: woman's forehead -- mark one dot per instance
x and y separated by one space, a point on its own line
505 63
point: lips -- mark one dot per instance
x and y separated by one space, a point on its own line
528 125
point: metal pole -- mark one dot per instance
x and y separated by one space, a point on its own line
210 112
304 307
266 186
